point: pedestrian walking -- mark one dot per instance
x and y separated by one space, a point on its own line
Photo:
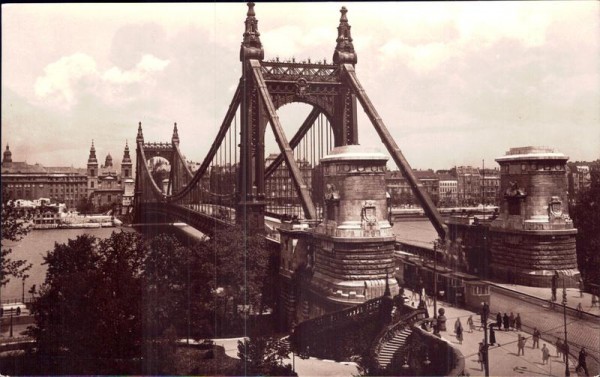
536 338
511 320
579 310
470 323
459 334
457 324
582 364
492 335
505 321
559 347
481 354
521 345
518 322
565 351
499 321
545 354
486 310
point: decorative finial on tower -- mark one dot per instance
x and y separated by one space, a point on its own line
126 156
92 158
251 46
251 10
344 50
140 134
175 138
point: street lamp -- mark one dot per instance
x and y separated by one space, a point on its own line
435 244
567 373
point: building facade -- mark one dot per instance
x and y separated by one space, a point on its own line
21 180
490 186
579 178
469 185
107 185
448 191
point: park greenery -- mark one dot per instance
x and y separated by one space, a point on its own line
127 305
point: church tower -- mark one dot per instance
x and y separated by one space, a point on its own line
92 171
126 164
7 156
108 162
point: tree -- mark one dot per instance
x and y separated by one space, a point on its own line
14 227
242 265
263 356
85 205
178 288
88 308
586 218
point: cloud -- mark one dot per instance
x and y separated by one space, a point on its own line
62 78
69 79
145 68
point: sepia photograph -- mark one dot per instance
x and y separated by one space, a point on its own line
300 189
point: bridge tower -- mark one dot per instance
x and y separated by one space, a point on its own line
533 237
348 257
266 86
334 92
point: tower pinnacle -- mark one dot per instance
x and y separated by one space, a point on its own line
140 135
344 50
92 158
175 138
251 46
126 156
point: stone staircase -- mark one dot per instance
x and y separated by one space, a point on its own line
388 350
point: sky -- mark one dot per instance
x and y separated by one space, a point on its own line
456 83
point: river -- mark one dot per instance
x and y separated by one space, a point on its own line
35 244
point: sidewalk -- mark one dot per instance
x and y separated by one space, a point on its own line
304 367
503 359
573 296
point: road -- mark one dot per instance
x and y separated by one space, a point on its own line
550 322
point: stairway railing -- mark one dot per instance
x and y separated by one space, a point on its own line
387 334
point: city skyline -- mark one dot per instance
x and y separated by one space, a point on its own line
470 80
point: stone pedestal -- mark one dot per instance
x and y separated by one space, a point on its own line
533 235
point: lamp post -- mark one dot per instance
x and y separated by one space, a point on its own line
435 244
567 373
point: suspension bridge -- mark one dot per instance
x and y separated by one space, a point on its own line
233 184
